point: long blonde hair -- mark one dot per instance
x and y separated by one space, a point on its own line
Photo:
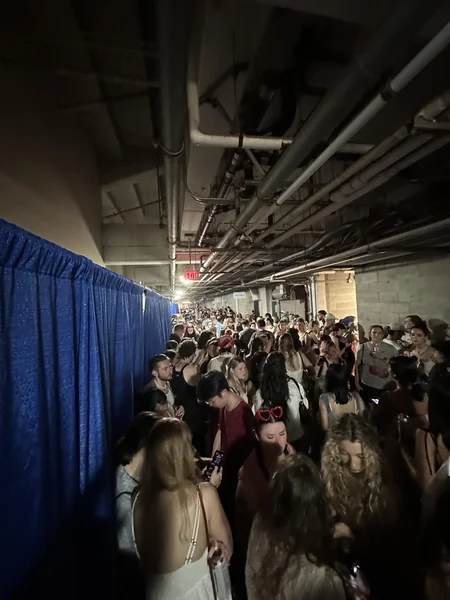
234 383
169 465
361 499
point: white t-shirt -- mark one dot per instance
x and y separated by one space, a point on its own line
297 394
219 362
375 364
168 392
392 343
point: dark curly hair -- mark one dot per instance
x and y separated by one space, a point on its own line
296 522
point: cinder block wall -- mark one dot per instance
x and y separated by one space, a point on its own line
389 294
336 293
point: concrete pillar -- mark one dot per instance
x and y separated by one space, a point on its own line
313 298
265 300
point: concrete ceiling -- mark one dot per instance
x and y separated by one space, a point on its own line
102 60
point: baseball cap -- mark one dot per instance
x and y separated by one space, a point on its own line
330 316
226 342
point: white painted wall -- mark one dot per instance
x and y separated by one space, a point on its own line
239 305
48 173
294 307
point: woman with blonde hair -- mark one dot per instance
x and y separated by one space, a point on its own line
355 472
238 379
365 502
173 516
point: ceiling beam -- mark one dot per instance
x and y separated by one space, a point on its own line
82 106
109 199
129 170
353 11
97 43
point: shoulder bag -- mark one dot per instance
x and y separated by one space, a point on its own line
220 576
305 412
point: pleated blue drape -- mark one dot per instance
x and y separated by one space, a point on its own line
74 342
157 330
174 310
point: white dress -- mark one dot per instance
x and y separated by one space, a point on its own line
192 581
297 375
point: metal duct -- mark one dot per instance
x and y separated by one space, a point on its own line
371 156
405 236
252 118
432 110
373 184
227 180
173 18
406 18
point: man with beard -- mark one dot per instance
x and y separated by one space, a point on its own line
161 370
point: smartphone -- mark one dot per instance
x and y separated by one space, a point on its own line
216 462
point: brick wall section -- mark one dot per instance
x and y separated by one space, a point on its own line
336 293
389 294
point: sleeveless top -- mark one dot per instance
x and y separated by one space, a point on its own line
243 395
192 581
333 416
186 396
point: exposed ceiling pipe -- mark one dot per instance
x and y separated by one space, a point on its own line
422 124
394 87
147 263
225 141
373 184
304 253
405 19
227 180
405 236
240 140
232 168
173 19
431 110
378 151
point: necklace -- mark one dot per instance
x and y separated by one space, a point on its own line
420 352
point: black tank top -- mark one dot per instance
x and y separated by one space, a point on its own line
186 396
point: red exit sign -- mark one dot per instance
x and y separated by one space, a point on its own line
191 275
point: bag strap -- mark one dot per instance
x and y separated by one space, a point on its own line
302 398
326 401
205 520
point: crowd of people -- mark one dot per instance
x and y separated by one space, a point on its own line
275 458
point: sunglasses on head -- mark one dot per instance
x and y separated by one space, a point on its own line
265 414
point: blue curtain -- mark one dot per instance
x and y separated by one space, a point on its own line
74 340
174 310
157 324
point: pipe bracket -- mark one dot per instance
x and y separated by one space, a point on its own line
387 93
171 154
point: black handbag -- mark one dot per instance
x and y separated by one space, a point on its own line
305 412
